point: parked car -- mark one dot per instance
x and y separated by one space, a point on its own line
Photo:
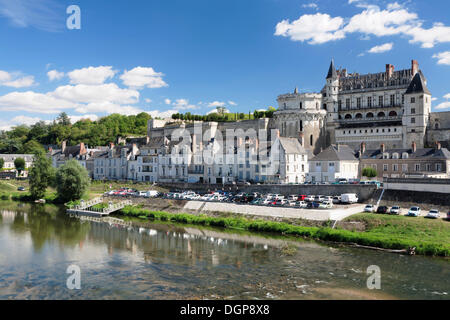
382 209
265 201
395 210
326 205
301 197
21 189
414 212
448 216
290 203
280 202
292 197
319 198
349 198
312 205
310 198
336 199
301 204
433 214
369 208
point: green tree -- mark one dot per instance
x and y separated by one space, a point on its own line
41 175
2 163
32 147
72 181
369 172
63 119
19 164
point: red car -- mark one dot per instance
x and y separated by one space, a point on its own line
302 197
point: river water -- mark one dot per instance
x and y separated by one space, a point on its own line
162 261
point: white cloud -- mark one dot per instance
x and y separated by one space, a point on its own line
183 104
216 104
215 110
394 20
108 107
161 114
382 48
92 117
141 77
232 103
167 101
311 5
443 57
15 80
97 93
444 105
33 102
55 75
434 99
91 75
148 100
16 121
447 96
314 28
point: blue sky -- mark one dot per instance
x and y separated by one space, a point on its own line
191 56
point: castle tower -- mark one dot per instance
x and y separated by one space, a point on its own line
417 110
330 103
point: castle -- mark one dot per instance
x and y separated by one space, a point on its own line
391 107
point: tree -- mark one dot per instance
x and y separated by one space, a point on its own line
2 163
32 147
19 164
369 172
63 119
72 181
41 175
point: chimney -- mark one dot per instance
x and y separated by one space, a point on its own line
414 67
50 149
82 148
302 138
382 147
389 71
414 147
363 147
438 145
111 145
63 146
338 147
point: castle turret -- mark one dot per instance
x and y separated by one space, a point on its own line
330 102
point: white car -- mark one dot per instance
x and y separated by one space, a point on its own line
310 198
266 201
292 197
290 203
395 210
326 205
301 204
369 208
414 212
433 214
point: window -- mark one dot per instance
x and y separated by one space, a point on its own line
331 164
404 167
347 103
417 167
413 100
311 140
395 167
380 101
403 99
385 167
428 167
301 105
369 102
413 110
438 167
413 120
340 104
392 99
358 102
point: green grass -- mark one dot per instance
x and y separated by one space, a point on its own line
430 239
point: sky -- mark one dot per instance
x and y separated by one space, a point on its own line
168 56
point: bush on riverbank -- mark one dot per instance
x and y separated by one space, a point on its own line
373 238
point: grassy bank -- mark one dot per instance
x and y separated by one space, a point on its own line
379 233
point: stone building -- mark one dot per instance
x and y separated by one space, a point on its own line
409 162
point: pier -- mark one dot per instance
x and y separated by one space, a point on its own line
86 208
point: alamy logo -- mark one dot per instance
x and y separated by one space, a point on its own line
374 280
74 20
74 280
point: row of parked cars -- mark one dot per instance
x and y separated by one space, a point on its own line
130 192
412 212
298 201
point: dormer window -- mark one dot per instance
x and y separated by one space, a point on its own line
395 156
385 155
405 155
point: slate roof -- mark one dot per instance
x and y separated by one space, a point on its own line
155 143
332 71
423 153
12 157
417 85
291 146
335 153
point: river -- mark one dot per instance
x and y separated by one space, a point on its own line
163 261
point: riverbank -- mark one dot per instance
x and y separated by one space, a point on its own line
386 232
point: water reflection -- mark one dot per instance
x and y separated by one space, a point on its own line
161 261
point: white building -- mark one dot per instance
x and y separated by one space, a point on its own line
335 162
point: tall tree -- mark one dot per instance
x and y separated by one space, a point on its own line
19 164
41 175
72 181
2 163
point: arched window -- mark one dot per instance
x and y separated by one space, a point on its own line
311 140
301 125
348 116
358 116
436 125
392 114
369 115
324 106
301 105
381 114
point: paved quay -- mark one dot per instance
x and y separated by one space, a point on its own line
338 213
